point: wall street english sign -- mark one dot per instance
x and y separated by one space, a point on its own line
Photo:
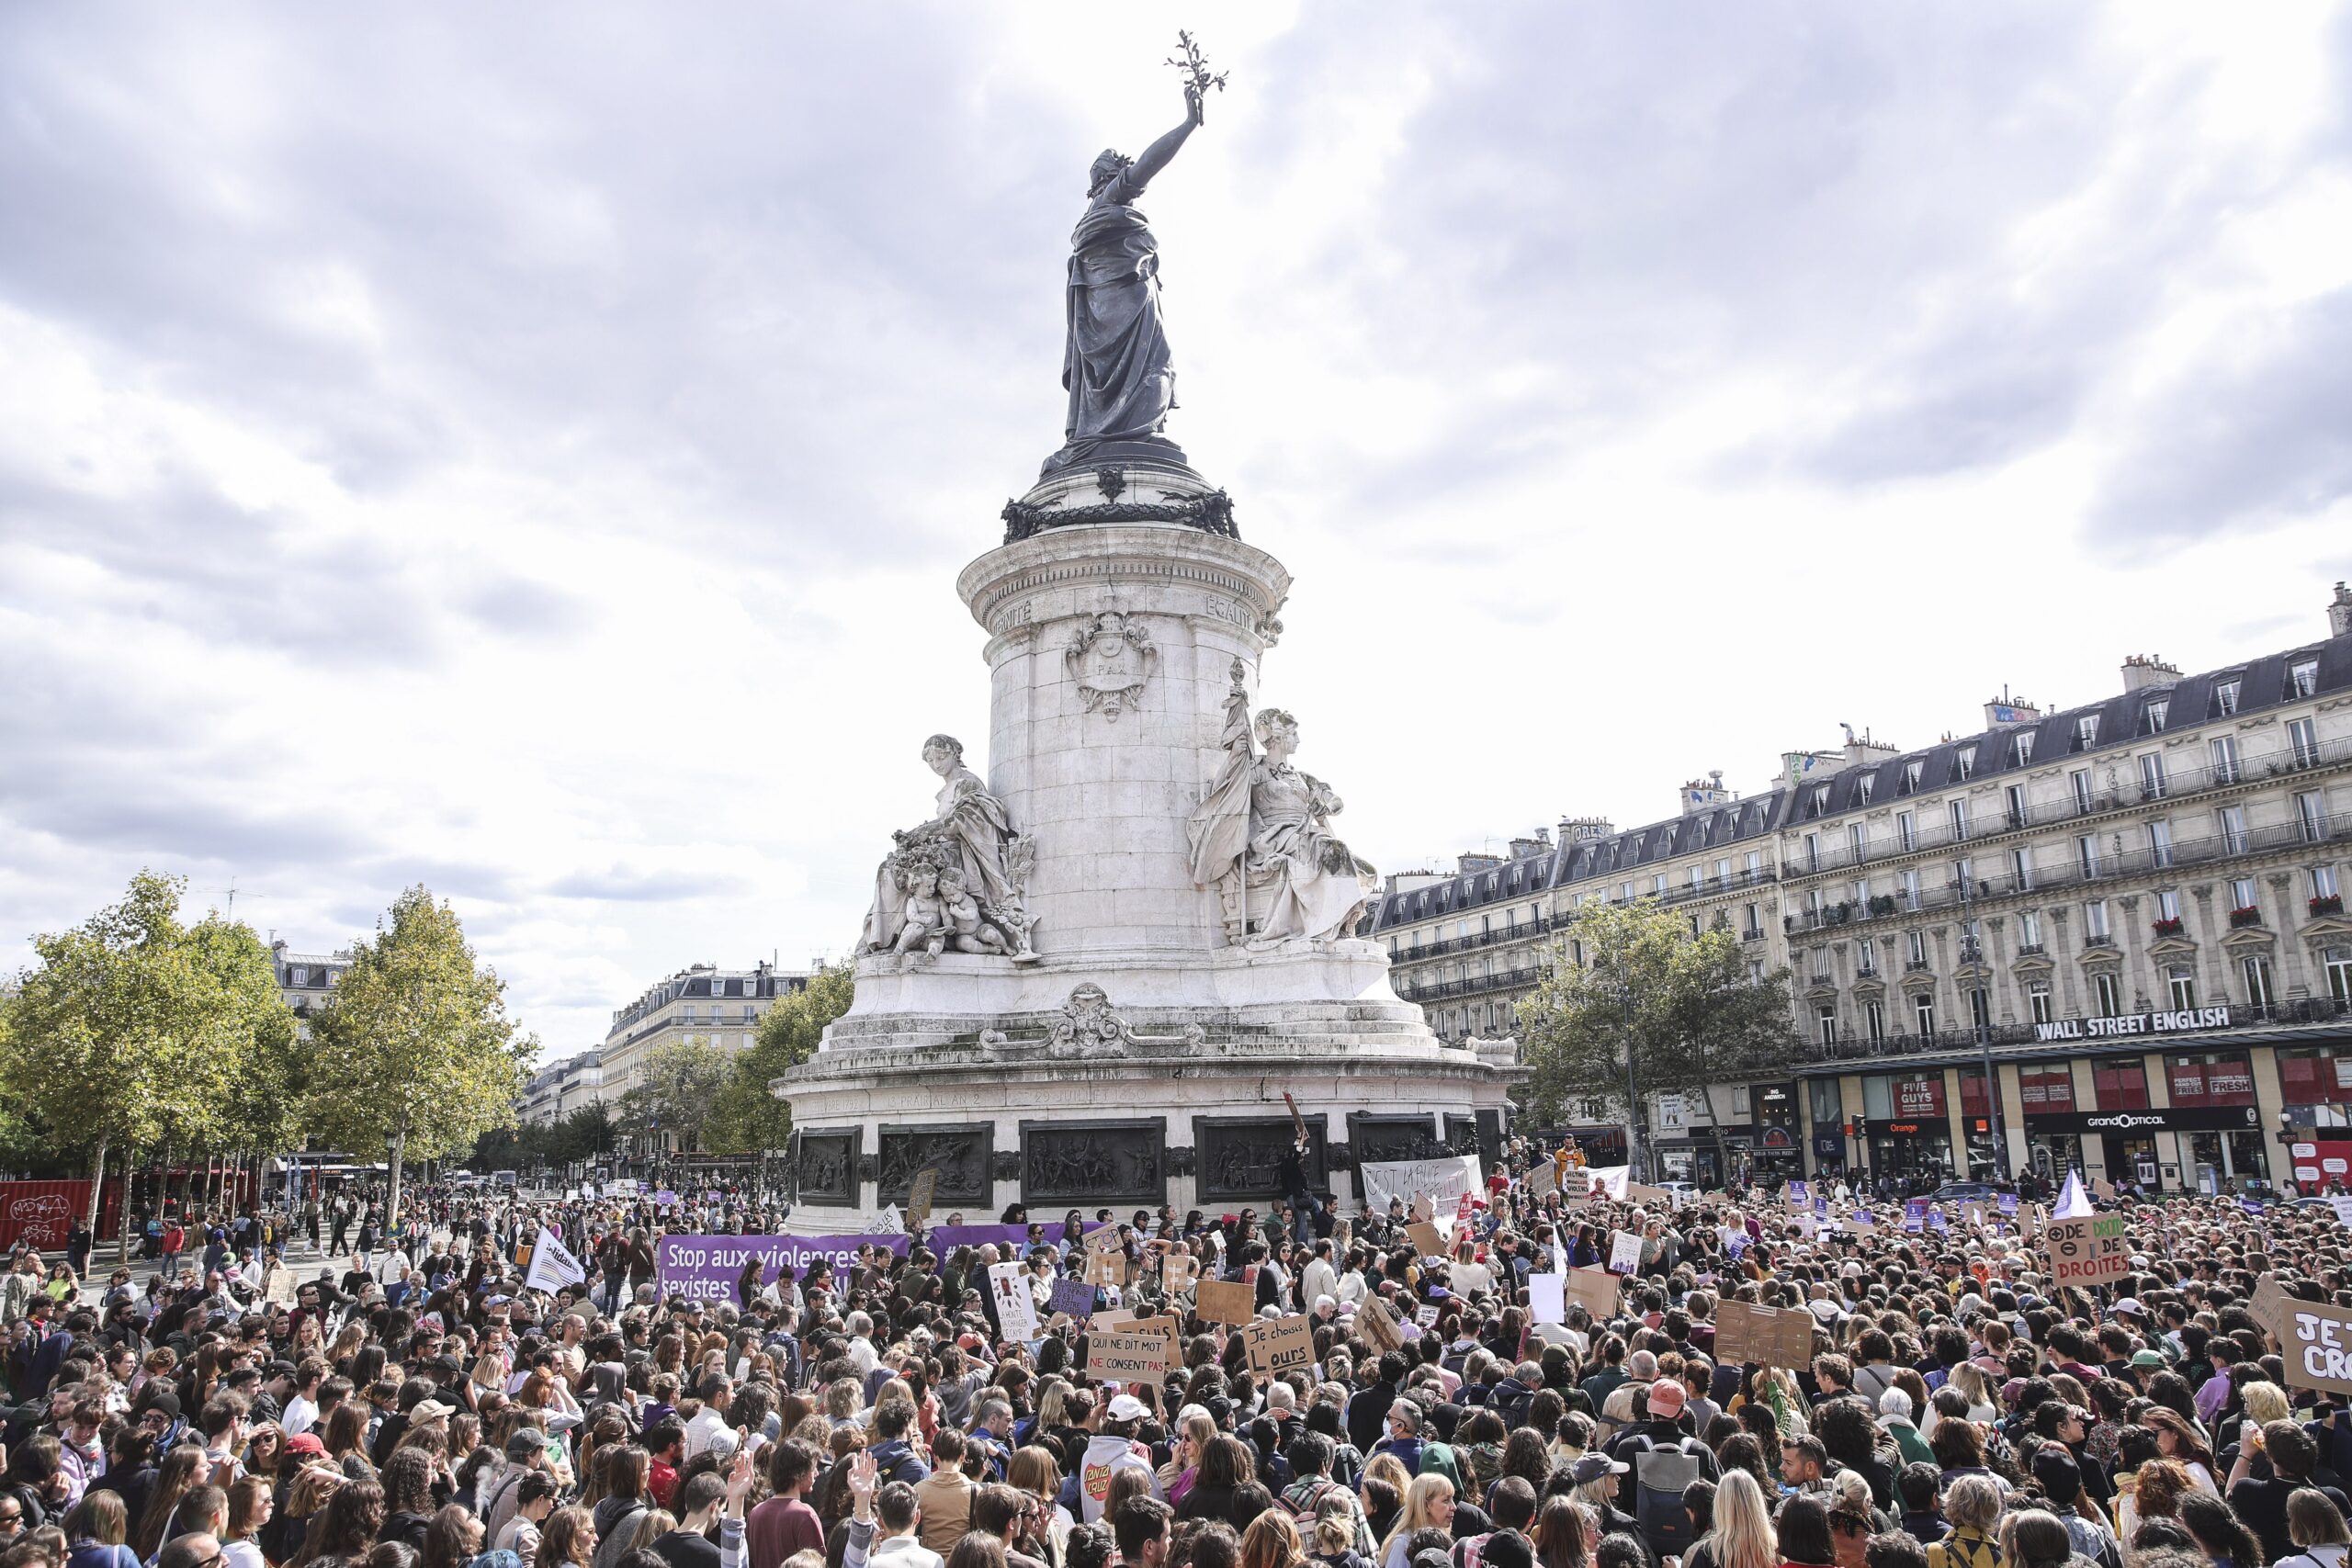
2184 1021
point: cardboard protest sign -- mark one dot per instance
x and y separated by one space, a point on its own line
1765 1336
1075 1297
1222 1301
1425 1316
1278 1346
1637 1193
1423 1208
2103 1187
2269 1306
278 1286
2088 1250
1016 1311
1427 1238
1625 1252
1177 1269
1106 1268
1595 1290
1547 1297
2317 1346
1103 1239
1377 1326
921 1194
1129 1353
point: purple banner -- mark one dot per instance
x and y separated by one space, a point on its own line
705 1268
945 1239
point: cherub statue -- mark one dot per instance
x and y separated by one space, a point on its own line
965 929
923 911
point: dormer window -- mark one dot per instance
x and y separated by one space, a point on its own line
299 976
2225 697
1864 785
2302 678
2086 732
2152 715
1964 762
1911 772
2021 749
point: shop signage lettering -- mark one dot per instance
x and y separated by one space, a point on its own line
1919 1096
2183 1021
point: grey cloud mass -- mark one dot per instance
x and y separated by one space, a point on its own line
529 449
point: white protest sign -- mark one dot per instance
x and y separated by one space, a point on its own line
1610 1180
1444 1181
1547 1297
1016 1311
1625 1252
2343 1207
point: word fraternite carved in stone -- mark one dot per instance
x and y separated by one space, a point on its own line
1261 837
958 882
1109 659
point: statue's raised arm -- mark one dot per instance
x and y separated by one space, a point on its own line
1116 364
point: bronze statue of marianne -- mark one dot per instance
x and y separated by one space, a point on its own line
1116 364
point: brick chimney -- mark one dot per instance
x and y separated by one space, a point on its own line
2147 669
2339 612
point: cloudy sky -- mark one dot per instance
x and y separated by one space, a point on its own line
528 449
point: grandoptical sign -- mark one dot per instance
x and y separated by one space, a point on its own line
2183 1021
2088 1249
2317 1346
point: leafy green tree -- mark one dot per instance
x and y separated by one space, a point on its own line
748 1118
262 1100
134 1027
413 1052
676 1086
1685 1005
587 1134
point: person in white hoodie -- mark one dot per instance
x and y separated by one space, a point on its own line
1113 1448
2317 1529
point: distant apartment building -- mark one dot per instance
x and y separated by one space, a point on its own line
2136 905
703 1003
305 978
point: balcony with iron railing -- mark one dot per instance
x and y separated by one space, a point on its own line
1939 833
1477 984
1525 931
2271 838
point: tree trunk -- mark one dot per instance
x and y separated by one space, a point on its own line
392 1201
97 1188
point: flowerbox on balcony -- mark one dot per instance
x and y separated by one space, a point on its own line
2328 904
2245 914
2170 927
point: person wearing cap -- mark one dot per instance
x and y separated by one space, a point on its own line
2061 1480
1111 1446
1661 1430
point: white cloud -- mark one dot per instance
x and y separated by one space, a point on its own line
531 451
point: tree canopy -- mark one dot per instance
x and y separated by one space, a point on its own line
747 1117
1687 1005
413 1052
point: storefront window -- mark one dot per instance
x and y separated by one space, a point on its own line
1828 1105
2046 1086
2309 1076
2120 1085
1972 1093
2208 1078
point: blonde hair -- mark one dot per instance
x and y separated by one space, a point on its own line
1743 1536
2266 1403
1420 1510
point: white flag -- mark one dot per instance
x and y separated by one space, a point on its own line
2074 1201
1608 1179
552 1265
892 1222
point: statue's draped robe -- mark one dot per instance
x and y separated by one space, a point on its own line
1115 363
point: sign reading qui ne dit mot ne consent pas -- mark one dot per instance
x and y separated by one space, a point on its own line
705 1268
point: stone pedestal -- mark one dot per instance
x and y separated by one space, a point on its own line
1139 1051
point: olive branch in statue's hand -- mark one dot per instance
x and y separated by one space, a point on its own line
1198 80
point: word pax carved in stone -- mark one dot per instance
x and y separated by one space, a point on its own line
957 882
1261 837
1110 658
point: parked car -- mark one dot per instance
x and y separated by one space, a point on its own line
1959 1192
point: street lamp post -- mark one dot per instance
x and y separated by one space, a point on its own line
1633 1095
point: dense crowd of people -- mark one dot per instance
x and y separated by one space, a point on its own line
412 1405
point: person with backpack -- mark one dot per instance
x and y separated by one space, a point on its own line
1311 1496
1514 1502
1661 1460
